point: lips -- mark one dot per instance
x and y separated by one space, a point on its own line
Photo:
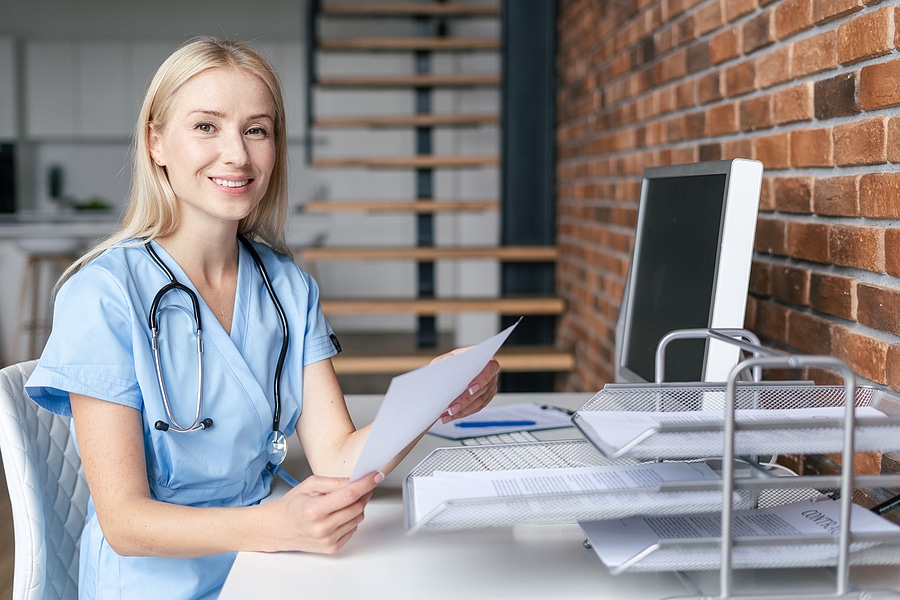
230 183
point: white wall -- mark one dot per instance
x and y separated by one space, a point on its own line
66 54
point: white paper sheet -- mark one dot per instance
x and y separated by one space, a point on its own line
416 399
444 486
530 416
617 541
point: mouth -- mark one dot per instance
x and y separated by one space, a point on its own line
231 183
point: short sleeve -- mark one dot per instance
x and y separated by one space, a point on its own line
91 347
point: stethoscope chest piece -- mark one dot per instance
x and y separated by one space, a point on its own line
276 448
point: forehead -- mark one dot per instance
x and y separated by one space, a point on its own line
224 90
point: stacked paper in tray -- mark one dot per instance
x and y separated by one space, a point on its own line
651 543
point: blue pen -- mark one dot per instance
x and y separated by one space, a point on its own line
495 423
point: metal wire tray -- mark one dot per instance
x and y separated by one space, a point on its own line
680 441
551 508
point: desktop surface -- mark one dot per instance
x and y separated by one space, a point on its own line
540 561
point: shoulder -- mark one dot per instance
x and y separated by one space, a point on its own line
113 273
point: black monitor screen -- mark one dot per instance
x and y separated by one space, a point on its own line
677 252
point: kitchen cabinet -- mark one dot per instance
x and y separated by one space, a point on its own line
8 100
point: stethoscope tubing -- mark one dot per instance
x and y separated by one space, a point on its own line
153 322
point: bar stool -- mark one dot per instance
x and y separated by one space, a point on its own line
34 318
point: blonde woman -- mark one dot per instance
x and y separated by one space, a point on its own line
188 343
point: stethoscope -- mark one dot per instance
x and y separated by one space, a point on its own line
276 445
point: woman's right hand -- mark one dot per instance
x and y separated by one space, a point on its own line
322 513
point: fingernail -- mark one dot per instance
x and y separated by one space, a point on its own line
379 477
474 389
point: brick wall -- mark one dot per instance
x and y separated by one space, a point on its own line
809 87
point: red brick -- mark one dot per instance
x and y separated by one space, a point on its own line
836 97
722 119
833 295
724 46
709 88
740 79
708 18
794 194
735 9
808 241
766 193
830 10
741 148
867 36
878 195
864 355
808 333
760 278
812 148
770 237
772 321
878 85
893 367
773 151
861 142
792 17
893 140
793 104
879 307
859 247
791 285
756 113
774 67
757 32
837 196
892 252
814 54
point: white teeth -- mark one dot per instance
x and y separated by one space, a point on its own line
231 184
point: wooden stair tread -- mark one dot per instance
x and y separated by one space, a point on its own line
424 161
522 305
409 206
416 43
430 253
470 80
511 358
430 120
409 9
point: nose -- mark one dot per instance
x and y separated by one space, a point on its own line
234 149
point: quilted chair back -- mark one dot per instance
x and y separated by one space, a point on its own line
47 489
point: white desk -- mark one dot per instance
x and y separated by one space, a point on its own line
382 561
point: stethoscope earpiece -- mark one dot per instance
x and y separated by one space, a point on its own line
276 446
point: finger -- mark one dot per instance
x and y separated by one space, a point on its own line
477 395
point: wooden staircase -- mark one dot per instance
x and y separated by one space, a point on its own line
432 25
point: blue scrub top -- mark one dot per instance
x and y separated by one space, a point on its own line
100 347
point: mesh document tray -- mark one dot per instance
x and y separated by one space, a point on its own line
554 507
646 438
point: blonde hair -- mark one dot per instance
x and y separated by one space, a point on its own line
152 209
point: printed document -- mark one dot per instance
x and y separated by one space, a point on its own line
416 399
431 493
619 541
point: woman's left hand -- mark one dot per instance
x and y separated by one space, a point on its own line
478 394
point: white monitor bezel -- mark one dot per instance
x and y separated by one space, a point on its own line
736 235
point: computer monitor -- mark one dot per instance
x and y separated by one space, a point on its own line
690 268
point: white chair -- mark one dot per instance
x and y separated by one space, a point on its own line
47 489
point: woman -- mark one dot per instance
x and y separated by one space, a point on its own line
175 492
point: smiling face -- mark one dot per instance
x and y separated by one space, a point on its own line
217 146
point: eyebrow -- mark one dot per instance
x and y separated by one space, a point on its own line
215 113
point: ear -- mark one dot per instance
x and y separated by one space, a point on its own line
154 144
